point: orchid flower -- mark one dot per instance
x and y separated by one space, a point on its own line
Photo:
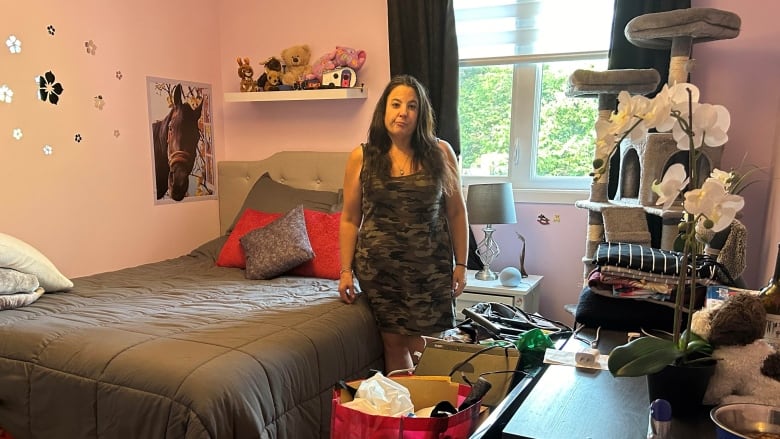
605 138
713 202
724 177
626 115
673 182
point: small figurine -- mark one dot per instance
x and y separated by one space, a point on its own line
246 73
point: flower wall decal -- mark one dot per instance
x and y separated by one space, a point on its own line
77 138
6 94
50 29
99 102
116 133
13 43
91 47
48 150
118 74
17 133
49 89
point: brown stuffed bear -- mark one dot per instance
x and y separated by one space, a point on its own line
273 80
272 64
296 61
748 368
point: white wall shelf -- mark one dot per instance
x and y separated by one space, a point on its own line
298 95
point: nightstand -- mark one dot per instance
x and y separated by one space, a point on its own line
524 296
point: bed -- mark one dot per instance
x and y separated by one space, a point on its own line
184 348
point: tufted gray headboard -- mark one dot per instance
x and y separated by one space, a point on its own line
316 170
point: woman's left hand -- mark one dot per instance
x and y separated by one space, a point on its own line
458 280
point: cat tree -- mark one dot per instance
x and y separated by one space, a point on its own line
624 218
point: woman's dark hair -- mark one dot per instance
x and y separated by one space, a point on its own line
425 145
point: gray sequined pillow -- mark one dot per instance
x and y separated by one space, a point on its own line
13 281
278 247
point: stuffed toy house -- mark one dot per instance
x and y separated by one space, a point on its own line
341 56
748 368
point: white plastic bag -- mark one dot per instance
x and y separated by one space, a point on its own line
382 396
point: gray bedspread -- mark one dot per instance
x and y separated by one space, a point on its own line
181 349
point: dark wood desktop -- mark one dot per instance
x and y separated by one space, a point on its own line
564 402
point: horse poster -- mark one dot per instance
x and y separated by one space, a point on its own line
182 140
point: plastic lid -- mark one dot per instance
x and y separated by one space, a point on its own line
661 410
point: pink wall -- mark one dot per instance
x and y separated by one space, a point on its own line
256 30
89 206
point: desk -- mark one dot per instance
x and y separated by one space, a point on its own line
567 403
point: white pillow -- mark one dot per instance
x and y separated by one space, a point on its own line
17 254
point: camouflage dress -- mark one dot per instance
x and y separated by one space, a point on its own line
403 256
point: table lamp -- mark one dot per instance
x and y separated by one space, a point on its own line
489 204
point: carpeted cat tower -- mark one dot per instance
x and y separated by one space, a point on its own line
624 218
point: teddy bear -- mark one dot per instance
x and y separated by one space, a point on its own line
272 64
273 80
296 60
246 73
747 367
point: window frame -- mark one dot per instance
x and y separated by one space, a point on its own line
526 96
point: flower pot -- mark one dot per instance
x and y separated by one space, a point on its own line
682 386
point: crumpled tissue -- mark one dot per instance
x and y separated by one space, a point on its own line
382 396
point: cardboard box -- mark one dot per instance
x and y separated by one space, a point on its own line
717 294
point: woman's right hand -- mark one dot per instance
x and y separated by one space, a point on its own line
347 287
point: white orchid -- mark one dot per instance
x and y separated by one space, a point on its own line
627 114
674 181
724 177
713 204
674 109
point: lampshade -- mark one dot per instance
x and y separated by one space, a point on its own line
491 203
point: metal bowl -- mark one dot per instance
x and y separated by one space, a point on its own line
746 421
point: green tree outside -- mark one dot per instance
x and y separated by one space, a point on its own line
565 132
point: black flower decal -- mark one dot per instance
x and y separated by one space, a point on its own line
48 88
51 29
77 138
118 74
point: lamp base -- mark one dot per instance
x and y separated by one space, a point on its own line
486 274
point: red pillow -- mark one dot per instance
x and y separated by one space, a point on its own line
323 230
232 254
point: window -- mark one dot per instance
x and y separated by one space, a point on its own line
515 59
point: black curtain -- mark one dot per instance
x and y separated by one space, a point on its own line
624 55
423 43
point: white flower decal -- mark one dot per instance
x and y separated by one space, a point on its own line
13 43
6 94
17 133
48 150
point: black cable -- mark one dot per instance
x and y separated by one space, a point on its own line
475 354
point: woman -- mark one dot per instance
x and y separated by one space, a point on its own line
403 228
